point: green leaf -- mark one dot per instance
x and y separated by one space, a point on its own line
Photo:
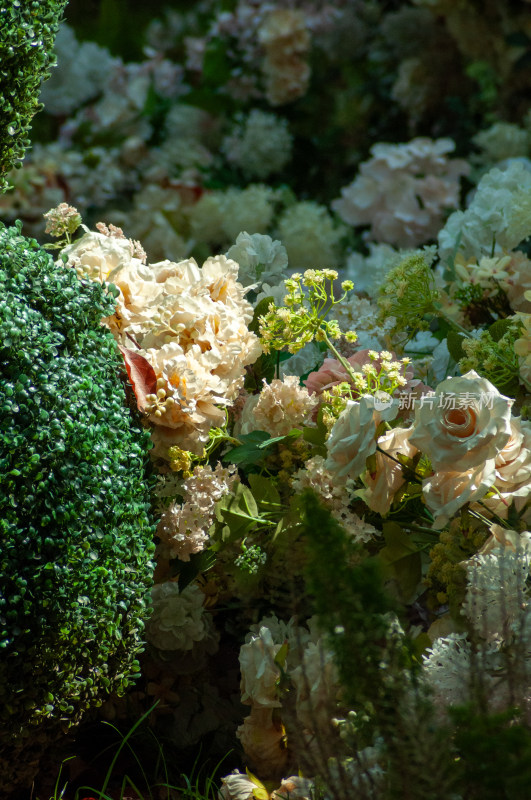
500 328
189 570
454 342
402 561
249 452
239 512
265 493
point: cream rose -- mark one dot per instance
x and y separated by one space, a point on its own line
464 424
263 739
353 437
448 490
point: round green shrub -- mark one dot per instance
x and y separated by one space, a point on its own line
27 35
76 534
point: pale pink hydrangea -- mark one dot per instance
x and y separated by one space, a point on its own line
183 527
403 191
281 406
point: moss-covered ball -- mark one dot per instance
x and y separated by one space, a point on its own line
75 526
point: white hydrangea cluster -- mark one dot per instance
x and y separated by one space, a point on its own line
310 236
501 141
403 191
261 259
498 217
81 73
260 144
368 272
188 323
183 527
178 620
219 216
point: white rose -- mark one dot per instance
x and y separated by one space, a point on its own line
259 673
353 437
448 490
237 786
464 424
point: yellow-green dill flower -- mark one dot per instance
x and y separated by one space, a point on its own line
409 293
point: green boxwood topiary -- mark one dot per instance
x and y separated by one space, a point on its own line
27 35
75 526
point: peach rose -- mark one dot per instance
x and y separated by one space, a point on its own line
382 484
464 424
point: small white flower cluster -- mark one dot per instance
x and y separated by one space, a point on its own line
190 324
260 144
403 191
285 39
183 527
335 497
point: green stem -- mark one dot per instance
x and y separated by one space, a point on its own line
343 361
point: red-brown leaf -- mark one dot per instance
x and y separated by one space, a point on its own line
141 374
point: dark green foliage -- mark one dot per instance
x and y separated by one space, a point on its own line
495 754
27 35
75 528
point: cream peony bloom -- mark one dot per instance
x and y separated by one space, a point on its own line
353 437
464 424
447 491
96 255
382 484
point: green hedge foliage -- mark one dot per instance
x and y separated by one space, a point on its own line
27 35
75 527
